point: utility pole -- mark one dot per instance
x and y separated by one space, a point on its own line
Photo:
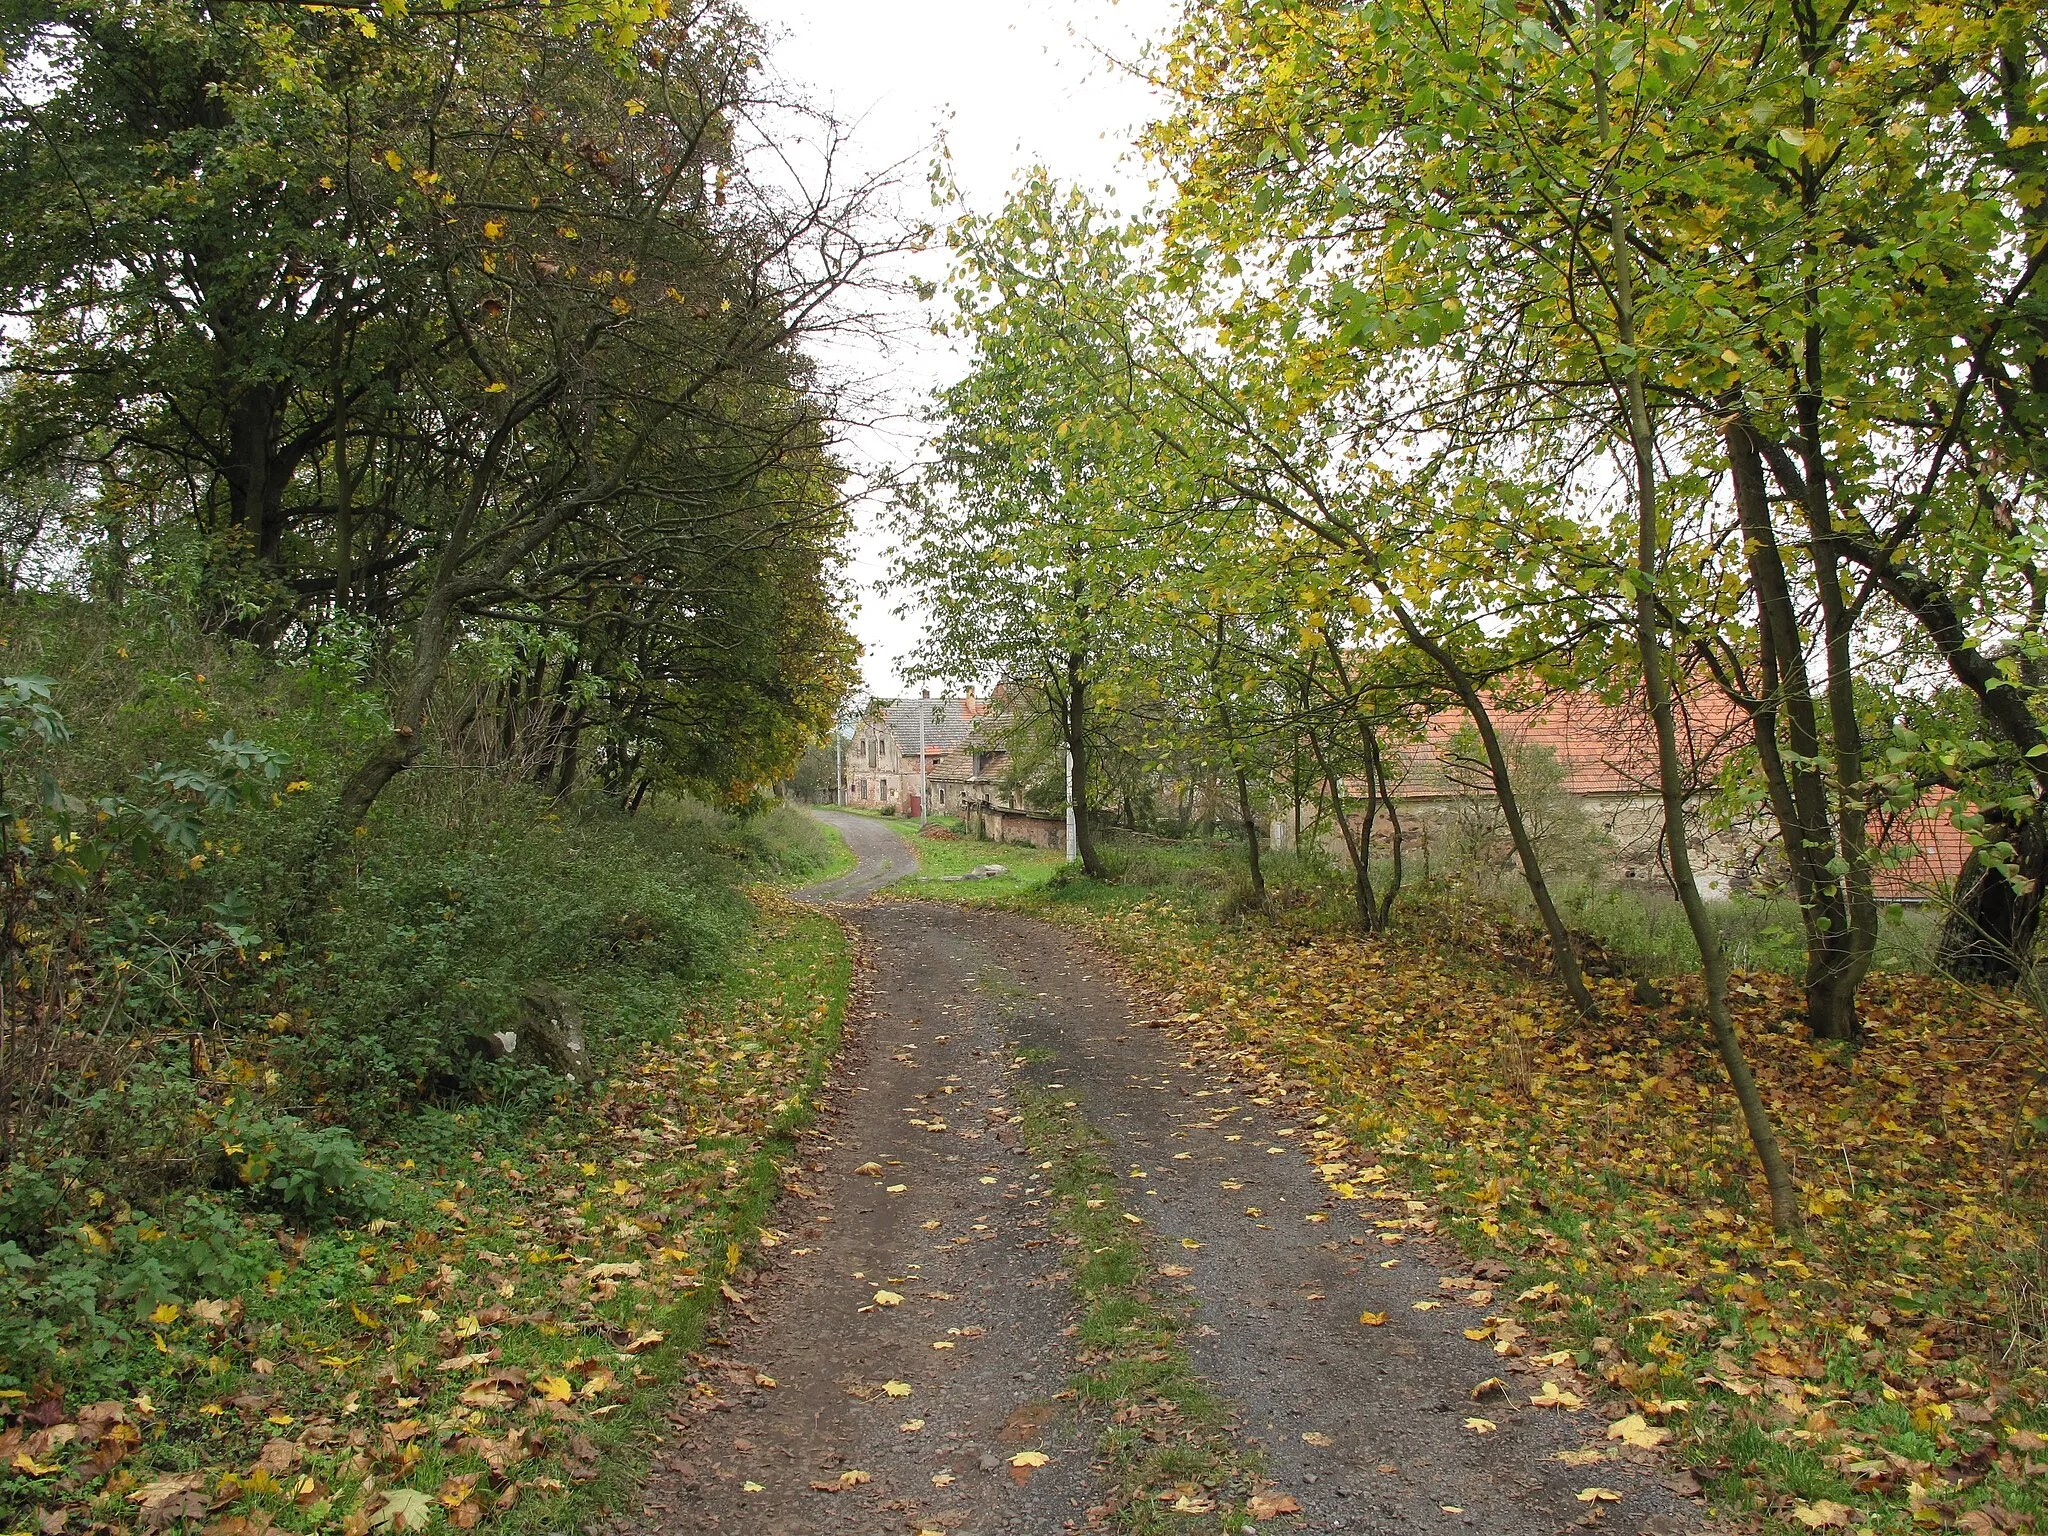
1073 829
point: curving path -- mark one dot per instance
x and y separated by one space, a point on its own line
884 856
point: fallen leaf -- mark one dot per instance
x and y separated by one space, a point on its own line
853 1477
752 1488
888 1299
462 1362
1192 1504
403 1509
1175 1271
1599 1496
896 1388
1488 1388
555 1389
1481 1426
1584 1457
1268 1506
1373 1319
1030 1459
872 1170
1426 1306
1635 1431
1315 1437
1554 1396
911 1426
1821 1513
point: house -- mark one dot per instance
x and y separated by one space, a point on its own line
903 747
1602 758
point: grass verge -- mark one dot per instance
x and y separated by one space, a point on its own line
499 1347
839 859
1030 869
1167 1450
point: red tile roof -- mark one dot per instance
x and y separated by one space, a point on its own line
1603 748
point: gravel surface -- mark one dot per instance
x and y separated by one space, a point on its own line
1365 1426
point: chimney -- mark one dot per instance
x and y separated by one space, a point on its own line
927 693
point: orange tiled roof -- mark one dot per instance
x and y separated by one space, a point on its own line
1603 748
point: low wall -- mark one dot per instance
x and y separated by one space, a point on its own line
1028 828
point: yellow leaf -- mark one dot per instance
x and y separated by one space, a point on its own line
1373 1319
555 1389
888 1299
1821 1513
495 387
1634 1430
896 1388
752 1488
393 159
1598 1496
1029 1459
165 1314
1481 1426
363 1317
852 1477
494 229
1554 1396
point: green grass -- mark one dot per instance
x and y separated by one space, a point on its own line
582 1252
1166 1430
839 859
1030 869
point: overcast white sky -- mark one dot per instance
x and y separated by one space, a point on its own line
1009 85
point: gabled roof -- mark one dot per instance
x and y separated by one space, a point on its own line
947 723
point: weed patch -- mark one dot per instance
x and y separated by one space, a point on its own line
1168 1452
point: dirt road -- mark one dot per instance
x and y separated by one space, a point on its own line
911 1317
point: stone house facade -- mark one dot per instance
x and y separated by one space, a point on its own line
904 746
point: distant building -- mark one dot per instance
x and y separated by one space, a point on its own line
884 770
1606 759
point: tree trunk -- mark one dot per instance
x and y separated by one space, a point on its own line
1835 963
432 642
1251 839
1784 1197
1244 794
1077 744
1854 948
1988 932
1563 954
1376 766
1361 881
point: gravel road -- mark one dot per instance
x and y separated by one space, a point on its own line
911 1316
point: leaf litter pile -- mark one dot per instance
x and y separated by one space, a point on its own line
498 1349
1882 1371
